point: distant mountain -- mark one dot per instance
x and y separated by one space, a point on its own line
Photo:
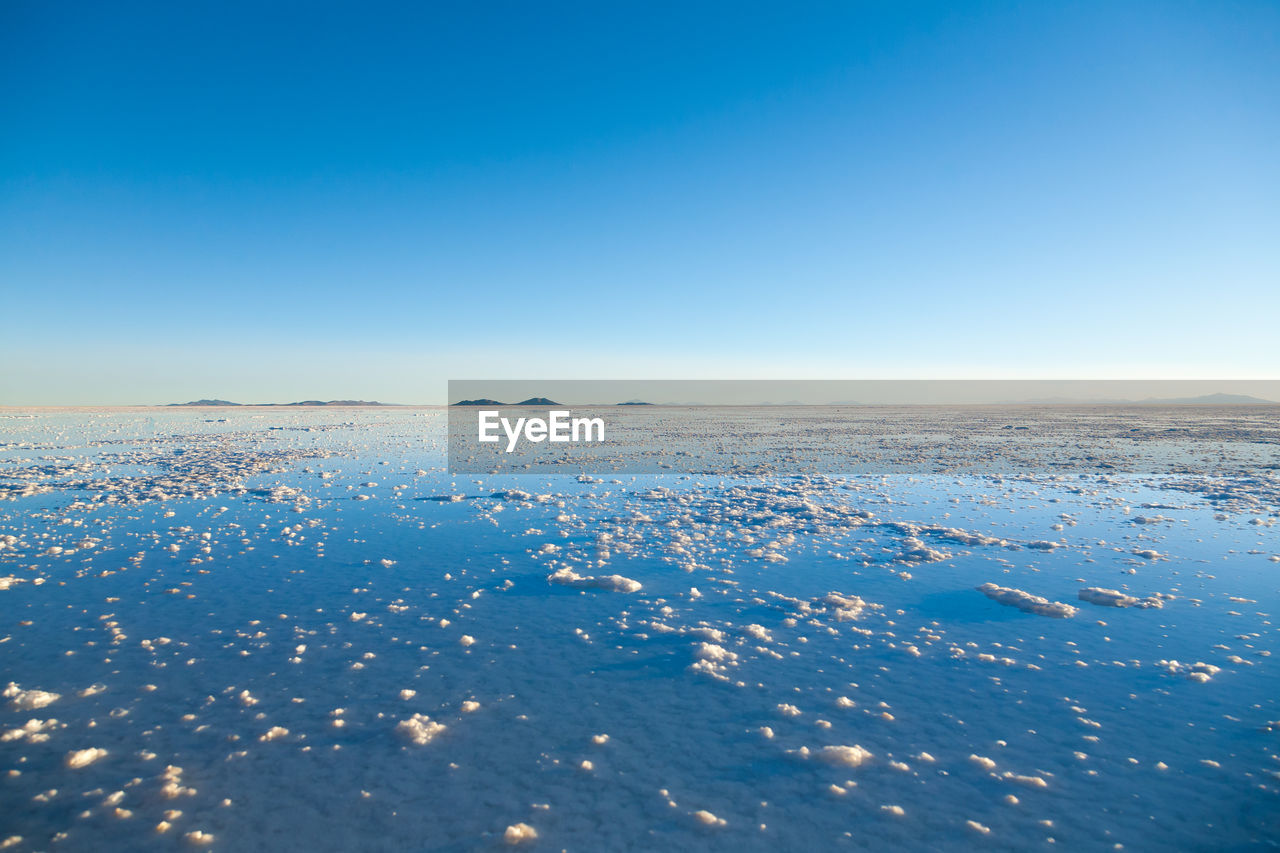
334 403
1209 400
207 403
635 403
1203 400
485 401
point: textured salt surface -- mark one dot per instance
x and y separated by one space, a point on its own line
294 630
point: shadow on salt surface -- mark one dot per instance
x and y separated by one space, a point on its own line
965 605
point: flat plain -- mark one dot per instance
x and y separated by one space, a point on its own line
838 628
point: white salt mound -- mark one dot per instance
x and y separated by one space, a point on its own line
34 731
419 729
84 757
914 550
518 833
714 653
613 583
1115 598
1198 671
1029 781
28 700
1027 602
848 756
846 607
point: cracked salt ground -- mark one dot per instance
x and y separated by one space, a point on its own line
232 651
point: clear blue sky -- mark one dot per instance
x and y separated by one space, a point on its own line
276 201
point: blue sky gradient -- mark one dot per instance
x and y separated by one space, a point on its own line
316 200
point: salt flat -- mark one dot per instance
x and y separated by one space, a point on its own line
264 630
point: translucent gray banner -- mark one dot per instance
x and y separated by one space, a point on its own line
771 427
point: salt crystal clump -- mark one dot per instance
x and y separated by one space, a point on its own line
964 537
518 833
28 700
983 762
712 652
419 729
1029 781
713 660
614 583
848 756
1027 602
274 733
1115 598
34 731
914 550
846 607
1199 671
172 787
84 757
706 818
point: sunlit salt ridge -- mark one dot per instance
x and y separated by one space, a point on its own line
301 627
